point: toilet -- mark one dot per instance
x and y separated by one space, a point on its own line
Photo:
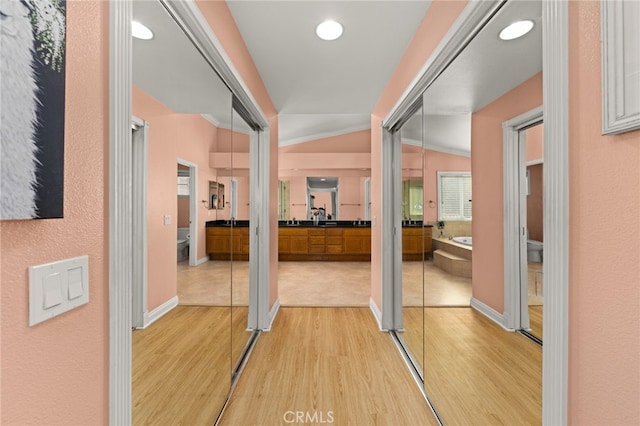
534 251
183 244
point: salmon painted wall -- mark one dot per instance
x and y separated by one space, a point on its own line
604 274
310 160
219 17
435 162
535 152
436 23
56 373
486 165
346 143
535 142
535 200
196 138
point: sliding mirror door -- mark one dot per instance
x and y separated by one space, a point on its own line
239 199
182 359
412 211
476 372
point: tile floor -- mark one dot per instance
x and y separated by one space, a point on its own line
318 284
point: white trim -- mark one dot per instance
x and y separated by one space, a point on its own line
616 54
202 260
140 185
390 222
323 135
272 315
535 162
193 209
489 312
511 207
446 150
259 265
377 314
555 323
160 311
437 148
120 218
469 22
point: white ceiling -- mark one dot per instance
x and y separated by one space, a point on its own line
325 88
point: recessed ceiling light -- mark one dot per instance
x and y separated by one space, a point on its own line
329 30
517 29
322 179
140 31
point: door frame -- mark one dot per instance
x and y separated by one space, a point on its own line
188 15
515 235
193 209
140 178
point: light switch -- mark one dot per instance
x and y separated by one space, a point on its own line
167 219
57 287
75 283
52 291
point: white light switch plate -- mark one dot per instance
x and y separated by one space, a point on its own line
57 287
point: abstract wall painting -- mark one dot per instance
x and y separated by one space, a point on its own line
32 108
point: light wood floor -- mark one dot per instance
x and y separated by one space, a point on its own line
475 372
326 361
182 364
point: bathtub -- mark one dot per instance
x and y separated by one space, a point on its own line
463 240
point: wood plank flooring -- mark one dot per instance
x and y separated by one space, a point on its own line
326 361
476 373
182 365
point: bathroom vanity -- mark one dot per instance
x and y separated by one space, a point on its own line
336 240
344 242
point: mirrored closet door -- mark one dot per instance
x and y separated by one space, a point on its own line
182 353
412 210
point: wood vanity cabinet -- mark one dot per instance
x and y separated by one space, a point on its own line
415 242
223 242
304 243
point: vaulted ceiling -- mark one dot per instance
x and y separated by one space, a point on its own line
322 88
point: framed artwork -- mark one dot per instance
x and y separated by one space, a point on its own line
620 66
32 108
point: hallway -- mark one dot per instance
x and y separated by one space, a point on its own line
331 363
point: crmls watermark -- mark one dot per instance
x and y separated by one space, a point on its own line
308 417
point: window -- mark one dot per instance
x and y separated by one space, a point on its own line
183 183
454 195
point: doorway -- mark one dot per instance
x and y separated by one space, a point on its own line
188 170
523 226
530 142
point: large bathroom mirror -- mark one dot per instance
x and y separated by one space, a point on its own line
182 353
323 195
329 172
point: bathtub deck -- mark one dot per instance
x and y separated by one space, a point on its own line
452 264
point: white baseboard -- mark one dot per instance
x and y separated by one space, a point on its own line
201 261
273 313
377 314
488 312
157 313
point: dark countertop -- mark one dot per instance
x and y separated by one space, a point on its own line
324 224
310 224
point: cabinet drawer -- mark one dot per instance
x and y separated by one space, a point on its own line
334 241
316 240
